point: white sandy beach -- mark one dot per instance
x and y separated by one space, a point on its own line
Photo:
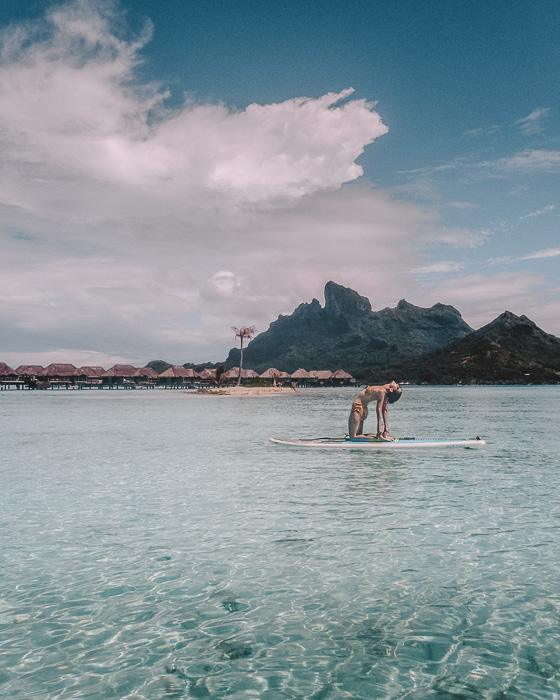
245 391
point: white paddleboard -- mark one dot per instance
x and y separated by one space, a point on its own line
375 444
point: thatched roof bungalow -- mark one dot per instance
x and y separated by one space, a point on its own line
179 372
322 375
30 370
342 377
64 372
146 372
121 371
176 375
91 372
9 377
271 373
233 373
120 375
300 374
208 374
128 374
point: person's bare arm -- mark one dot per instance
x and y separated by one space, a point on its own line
382 414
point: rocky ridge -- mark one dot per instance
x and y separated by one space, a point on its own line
347 333
509 350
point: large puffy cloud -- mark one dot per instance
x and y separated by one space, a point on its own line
69 103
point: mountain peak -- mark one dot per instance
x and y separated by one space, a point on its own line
344 301
508 321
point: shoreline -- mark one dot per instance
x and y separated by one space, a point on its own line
244 391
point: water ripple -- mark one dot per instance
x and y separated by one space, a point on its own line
150 562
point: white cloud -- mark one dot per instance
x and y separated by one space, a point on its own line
173 296
483 131
529 125
542 254
70 108
460 237
222 285
550 207
481 298
537 255
439 268
527 162
461 205
532 124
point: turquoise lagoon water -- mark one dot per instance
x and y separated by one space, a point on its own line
155 545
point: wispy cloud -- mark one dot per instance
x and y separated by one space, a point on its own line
528 161
529 125
533 123
440 268
460 205
483 131
542 254
537 255
550 207
460 237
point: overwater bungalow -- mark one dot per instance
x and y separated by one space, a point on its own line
91 372
130 377
300 376
340 378
271 373
208 376
30 371
146 372
90 377
9 377
57 375
121 376
6 371
320 376
233 374
177 376
57 372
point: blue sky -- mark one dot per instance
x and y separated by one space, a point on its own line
171 169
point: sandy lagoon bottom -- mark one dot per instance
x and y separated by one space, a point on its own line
156 545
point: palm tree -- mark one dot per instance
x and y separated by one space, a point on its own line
245 332
219 375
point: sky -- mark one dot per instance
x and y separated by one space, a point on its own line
172 169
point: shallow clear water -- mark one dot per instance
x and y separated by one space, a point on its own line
155 545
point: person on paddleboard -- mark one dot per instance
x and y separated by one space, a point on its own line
384 395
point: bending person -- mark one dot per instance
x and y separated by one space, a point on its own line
384 395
